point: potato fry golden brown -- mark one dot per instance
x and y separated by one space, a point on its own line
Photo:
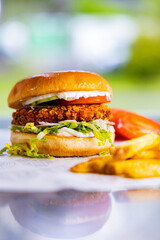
95 165
148 155
130 148
142 155
136 168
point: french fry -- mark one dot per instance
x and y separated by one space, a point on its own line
136 168
148 155
95 165
130 148
146 162
157 148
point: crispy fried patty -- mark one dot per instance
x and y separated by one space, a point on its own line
53 114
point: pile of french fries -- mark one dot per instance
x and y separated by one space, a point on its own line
136 158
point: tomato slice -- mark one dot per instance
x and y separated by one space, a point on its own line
131 125
82 100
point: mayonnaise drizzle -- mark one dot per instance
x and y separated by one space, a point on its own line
68 132
69 96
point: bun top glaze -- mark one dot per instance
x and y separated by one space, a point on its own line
54 82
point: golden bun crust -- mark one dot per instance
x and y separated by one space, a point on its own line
59 146
53 82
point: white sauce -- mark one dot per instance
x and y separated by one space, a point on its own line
69 96
68 132
99 122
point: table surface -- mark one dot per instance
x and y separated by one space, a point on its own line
72 214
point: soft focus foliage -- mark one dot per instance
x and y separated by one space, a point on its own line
145 57
37 36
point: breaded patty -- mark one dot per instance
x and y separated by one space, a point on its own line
53 114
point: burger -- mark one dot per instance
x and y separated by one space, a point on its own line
61 114
66 214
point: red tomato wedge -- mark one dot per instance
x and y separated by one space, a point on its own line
89 100
131 125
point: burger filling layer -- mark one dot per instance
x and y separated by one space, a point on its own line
58 114
102 129
54 114
68 96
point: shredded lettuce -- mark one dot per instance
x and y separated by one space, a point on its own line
3 150
103 153
24 150
44 100
28 128
41 131
83 127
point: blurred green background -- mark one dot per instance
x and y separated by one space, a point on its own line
118 39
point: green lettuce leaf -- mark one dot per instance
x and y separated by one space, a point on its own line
28 128
24 150
83 127
42 131
44 100
103 153
3 150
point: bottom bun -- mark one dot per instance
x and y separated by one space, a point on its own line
59 146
